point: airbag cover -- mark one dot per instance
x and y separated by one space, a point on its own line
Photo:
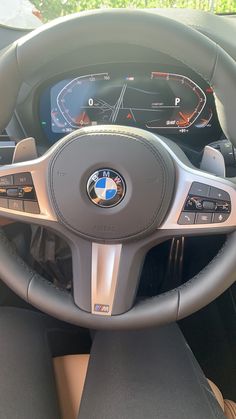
137 156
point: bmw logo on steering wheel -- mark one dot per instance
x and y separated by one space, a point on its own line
106 188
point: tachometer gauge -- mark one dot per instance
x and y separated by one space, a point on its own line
180 105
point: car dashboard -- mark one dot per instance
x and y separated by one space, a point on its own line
165 99
125 85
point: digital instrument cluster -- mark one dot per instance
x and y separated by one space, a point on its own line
166 102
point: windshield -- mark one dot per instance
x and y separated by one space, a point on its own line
30 14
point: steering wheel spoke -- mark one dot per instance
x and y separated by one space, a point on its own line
106 276
105 267
24 192
202 203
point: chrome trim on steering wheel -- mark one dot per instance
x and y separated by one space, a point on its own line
105 268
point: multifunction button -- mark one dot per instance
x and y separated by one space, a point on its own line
205 205
22 179
6 180
203 218
199 189
16 204
216 193
17 193
187 218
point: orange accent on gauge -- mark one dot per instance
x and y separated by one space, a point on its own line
209 90
186 118
82 119
159 74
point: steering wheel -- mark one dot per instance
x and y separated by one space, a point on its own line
114 192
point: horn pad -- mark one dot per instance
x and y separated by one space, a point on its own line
111 183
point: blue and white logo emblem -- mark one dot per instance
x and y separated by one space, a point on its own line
106 188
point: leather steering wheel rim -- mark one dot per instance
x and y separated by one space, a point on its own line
203 56
166 308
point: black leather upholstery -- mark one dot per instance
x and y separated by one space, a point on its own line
27 388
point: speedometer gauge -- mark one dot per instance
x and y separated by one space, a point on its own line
81 100
161 100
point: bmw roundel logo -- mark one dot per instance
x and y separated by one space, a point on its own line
106 188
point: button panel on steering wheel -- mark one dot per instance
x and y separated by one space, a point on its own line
205 205
17 193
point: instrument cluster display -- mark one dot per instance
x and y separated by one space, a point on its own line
165 102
